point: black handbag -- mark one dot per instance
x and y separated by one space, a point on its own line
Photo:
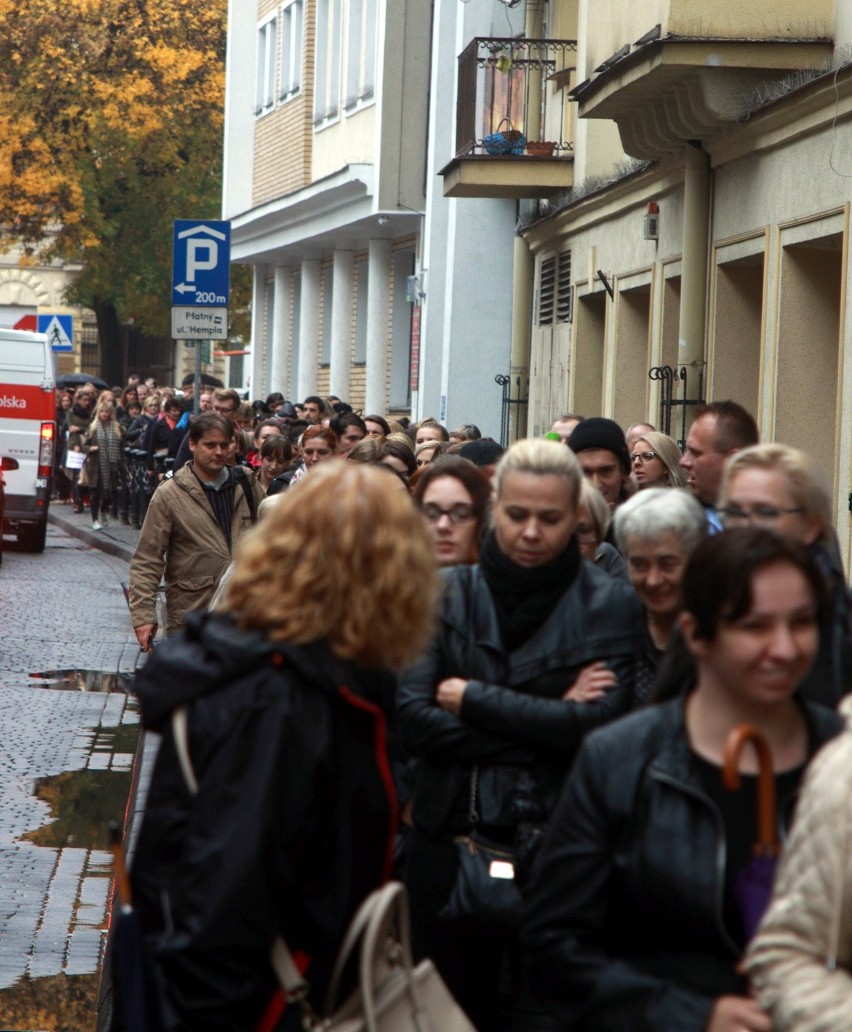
485 890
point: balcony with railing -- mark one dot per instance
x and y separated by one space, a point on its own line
514 119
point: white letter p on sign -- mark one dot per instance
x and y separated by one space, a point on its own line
195 257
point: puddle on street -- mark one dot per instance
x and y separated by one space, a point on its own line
61 1003
82 681
82 803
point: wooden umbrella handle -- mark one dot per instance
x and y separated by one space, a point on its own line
119 866
767 834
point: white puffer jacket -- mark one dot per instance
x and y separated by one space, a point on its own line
800 962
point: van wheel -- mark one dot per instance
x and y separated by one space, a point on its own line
32 537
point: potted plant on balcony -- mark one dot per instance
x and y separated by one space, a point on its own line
541 148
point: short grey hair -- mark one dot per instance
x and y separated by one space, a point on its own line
660 510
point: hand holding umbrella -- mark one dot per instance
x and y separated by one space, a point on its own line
753 884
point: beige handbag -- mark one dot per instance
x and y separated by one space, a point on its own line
392 994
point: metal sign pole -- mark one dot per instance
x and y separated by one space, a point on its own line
196 394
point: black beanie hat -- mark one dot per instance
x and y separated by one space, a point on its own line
484 452
599 432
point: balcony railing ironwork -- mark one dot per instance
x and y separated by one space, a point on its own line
519 86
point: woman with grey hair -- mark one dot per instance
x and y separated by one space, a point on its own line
593 522
657 530
655 459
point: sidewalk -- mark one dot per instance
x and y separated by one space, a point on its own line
117 539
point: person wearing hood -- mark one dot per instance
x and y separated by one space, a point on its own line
286 698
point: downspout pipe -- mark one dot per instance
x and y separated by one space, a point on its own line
522 266
695 251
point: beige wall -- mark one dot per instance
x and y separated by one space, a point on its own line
631 357
737 321
350 140
586 387
808 351
616 22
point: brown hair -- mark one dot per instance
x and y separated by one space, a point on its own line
345 560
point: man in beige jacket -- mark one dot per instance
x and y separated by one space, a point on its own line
193 523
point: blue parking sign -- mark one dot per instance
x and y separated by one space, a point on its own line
201 263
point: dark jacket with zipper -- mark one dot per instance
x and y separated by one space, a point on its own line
624 929
292 826
513 714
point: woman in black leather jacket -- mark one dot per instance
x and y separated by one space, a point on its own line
634 921
535 647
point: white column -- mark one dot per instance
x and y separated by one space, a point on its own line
309 328
279 371
378 296
258 331
341 323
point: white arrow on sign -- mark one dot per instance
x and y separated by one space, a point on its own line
183 288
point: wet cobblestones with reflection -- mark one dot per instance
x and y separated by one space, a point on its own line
61 611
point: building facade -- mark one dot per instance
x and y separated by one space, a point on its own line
325 142
703 250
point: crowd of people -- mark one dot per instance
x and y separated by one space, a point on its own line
508 677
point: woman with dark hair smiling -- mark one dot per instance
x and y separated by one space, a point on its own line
634 920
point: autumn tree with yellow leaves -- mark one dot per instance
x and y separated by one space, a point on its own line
111 117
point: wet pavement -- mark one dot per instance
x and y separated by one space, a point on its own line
68 739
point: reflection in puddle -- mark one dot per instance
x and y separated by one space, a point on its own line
62 1003
82 681
82 803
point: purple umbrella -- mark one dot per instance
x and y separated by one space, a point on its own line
753 884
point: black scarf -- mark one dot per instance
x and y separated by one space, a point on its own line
525 597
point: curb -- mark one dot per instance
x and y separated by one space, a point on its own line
95 539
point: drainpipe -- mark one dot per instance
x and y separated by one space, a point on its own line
696 245
519 387
522 265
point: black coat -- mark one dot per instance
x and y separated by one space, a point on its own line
292 827
624 929
513 715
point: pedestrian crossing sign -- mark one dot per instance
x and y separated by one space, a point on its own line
59 330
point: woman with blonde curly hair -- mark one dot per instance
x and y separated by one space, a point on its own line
286 697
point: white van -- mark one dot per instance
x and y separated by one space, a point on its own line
27 432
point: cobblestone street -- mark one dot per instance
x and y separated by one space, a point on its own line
61 611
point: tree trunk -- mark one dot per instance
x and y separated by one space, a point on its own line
111 343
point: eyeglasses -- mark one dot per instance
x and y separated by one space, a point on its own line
460 513
760 513
642 457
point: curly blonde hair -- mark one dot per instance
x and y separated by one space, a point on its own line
342 559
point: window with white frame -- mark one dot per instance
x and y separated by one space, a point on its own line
361 53
292 34
264 98
327 61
